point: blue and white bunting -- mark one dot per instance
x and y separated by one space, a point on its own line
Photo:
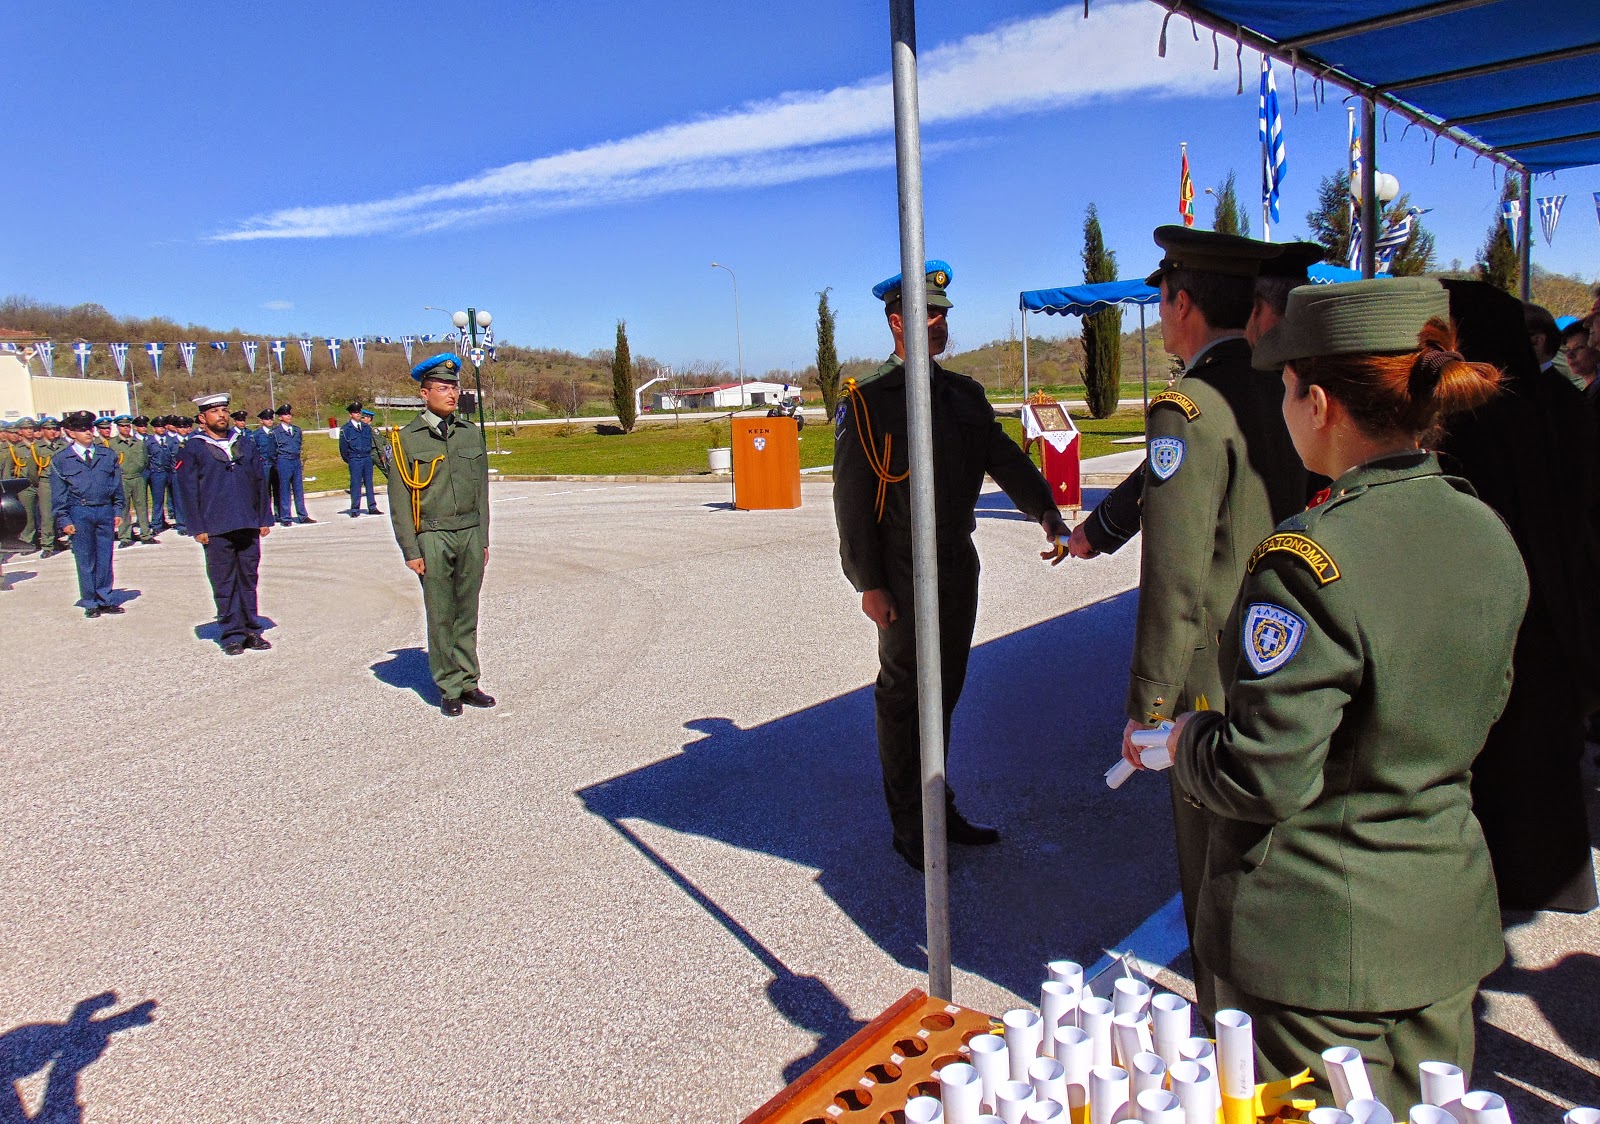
187 350
278 349
1550 214
46 351
333 350
409 342
155 351
249 347
119 356
361 351
219 345
488 344
80 352
1511 215
305 352
1275 162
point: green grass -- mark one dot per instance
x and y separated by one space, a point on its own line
665 450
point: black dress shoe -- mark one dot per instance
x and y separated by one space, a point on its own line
114 610
911 852
258 643
373 511
91 613
126 545
46 553
958 829
283 523
450 708
234 649
306 519
475 697
355 515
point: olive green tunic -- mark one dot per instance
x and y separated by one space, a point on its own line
133 459
450 536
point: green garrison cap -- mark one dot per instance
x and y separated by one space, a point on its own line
1206 251
1377 317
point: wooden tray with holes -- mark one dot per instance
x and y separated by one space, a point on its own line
869 1079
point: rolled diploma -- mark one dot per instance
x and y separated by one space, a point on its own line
1049 1080
1012 1099
924 1110
1066 971
961 1090
1365 1110
1157 759
1157 1106
1443 1083
1171 1017
1148 1072
1130 997
990 1059
1024 1032
1236 1066
1075 1052
1330 1116
1130 1035
1429 1114
1058 1006
1347 1075
1108 1093
1485 1108
1201 1050
1045 1112
1191 1082
1582 1115
1094 1016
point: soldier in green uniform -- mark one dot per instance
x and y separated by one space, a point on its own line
19 463
1220 474
1349 898
134 459
44 447
439 505
872 507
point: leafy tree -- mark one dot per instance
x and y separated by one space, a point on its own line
1497 261
1102 331
1230 218
622 379
827 355
1330 225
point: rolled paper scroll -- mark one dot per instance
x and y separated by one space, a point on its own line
1108 1093
1130 997
1347 1075
1443 1083
1058 1007
1148 1072
1130 1035
1203 1051
1582 1115
1236 1066
1049 1080
991 1059
1329 1116
1365 1110
990 1118
1157 1106
1094 1016
1012 1099
1191 1083
961 1090
1485 1108
1066 971
1045 1112
924 1110
1024 1033
1170 1017
1075 1052
1429 1114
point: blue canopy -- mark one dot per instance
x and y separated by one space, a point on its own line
1324 274
1078 300
1515 77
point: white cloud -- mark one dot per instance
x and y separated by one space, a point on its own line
279 306
1047 62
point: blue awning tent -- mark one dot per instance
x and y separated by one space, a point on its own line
1324 273
1080 300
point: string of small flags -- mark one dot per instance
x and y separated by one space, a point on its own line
155 351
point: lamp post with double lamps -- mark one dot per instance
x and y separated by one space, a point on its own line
468 323
738 333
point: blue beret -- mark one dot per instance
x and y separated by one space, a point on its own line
25 423
53 423
368 414
121 419
939 274
444 366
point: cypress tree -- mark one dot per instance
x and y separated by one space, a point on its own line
1230 217
1102 331
1497 261
622 379
827 356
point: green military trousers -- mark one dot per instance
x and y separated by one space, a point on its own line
48 532
453 565
1393 1043
136 501
29 498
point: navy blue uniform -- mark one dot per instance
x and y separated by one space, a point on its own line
223 493
355 446
267 446
288 440
179 514
160 470
87 496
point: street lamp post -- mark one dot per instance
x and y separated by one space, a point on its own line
738 333
468 323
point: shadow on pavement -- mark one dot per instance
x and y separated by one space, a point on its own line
67 1048
212 631
123 596
1079 867
407 670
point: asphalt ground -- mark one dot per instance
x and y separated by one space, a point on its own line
654 883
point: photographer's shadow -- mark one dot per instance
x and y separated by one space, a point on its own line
67 1048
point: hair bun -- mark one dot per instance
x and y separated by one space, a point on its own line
1430 365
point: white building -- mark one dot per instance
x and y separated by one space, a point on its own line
24 394
727 396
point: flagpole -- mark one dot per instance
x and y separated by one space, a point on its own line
1526 222
1369 188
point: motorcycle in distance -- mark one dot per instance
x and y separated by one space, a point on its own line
788 408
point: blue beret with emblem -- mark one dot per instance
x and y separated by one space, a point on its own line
939 274
124 419
444 366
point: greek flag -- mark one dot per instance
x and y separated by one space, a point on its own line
1355 179
219 345
1549 215
1511 215
80 352
1394 240
361 352
333 350
488 344
249 347
408 342
1275 160
155 351
46 351
119 355
278 349
305 353
427 337
187 350
1597 204
383 339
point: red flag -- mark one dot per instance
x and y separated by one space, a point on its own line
1186 191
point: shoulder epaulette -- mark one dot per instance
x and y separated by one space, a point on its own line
1178 399
1303 547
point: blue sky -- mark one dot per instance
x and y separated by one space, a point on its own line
313 168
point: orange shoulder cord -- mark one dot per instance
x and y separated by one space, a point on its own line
414 481
880 467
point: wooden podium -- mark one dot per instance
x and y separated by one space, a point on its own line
766 463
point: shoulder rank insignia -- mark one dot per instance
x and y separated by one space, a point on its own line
1272 636
1178 399
1317 560
1166 454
